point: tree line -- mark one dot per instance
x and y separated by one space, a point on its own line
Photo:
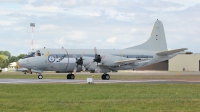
6 58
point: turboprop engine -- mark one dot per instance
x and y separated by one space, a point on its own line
100 63
93 67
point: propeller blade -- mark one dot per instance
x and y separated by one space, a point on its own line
95 50
83 68
75 69
103 56
97 70
90 63
82 54
74 55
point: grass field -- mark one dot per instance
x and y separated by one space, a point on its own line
119 97
99 97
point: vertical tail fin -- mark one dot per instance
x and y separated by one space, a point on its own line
156 42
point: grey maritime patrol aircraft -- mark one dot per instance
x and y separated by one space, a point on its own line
70 61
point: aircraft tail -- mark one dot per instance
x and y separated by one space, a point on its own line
156 42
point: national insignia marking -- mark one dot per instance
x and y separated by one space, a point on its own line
51 58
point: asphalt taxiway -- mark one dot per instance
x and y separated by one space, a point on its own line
160 77
40 81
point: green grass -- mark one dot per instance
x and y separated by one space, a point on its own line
99 97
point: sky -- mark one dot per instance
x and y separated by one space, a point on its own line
105 24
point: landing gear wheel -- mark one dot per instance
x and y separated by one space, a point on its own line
67 76
70 76
40 76
24 72
105 77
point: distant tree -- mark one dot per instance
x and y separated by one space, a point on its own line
6 53
12 59
21 56
2 56
3 61
6 58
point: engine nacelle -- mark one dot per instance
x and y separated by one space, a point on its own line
89 63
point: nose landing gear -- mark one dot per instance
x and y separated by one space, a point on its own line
40 76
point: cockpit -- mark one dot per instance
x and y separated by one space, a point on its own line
30 54
37 53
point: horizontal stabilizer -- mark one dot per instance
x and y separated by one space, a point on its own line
170 52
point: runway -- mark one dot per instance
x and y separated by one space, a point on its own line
46 81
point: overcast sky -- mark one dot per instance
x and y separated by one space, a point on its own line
105 24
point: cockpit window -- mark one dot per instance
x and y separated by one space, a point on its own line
37 53
30 54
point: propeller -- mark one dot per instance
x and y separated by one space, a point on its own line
97 59
97 56
79 62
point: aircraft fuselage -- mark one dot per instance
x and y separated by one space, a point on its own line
64 59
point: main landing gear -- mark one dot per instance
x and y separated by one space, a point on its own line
70 76
40 76
105 76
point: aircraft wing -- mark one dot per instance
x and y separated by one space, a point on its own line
170 52
129 61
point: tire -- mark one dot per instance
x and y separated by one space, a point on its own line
107 77
68 76
40 76
103 77
72 76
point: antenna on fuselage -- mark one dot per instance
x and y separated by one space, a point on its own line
32 25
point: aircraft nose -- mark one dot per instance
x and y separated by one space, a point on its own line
19 63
